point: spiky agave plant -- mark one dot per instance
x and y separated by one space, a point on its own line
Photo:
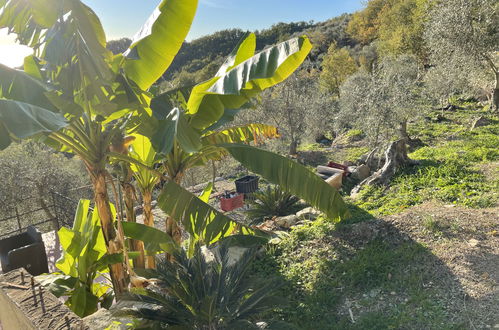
199 293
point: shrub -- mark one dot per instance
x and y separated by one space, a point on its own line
272 201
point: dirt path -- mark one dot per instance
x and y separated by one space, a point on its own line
466 241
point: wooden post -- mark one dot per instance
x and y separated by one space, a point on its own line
18 220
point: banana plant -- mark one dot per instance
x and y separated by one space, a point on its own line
84 258
192 135
142 151
74 95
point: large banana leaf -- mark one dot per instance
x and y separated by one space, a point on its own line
175 127
29 18
17 85
235 87
154 239
23 120
240 134
77 45
243 50
292 177
84 255
156 44
143 151
199 219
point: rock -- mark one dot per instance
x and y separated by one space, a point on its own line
262 325
361 172
480 122
286 221
103 318
473 242
308 213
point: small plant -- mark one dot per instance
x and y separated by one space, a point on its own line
199 293
432 225
272 201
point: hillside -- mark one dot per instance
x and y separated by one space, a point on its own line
421 253
201 57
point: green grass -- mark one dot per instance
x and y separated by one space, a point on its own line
320 272
449 171
387 281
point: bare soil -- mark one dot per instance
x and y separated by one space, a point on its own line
465 270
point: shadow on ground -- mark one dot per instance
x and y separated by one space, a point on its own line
377 274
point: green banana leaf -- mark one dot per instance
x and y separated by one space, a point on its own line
243 50
200 220
235 87
142 151
175 127
27 19
154 239
23 120
156 44
18 86
292 177
241 134
84 256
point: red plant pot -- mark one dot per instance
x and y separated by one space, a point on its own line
229 204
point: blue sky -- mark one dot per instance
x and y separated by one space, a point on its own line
122 18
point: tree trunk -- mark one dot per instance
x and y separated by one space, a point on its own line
118 272
148 221
135 245
172 227
395 158
402 131
293 147
495 94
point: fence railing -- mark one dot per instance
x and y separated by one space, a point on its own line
47 214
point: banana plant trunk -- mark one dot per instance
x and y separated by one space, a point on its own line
114 243
172 227
135 245
148 221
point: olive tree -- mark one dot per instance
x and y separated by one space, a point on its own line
462 36
380 103
297 108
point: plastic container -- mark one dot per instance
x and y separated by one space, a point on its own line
232 203
247 184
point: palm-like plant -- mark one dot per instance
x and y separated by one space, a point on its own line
195 293
272 201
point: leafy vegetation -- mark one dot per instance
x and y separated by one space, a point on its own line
199 293
84 258
145 114
272 201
